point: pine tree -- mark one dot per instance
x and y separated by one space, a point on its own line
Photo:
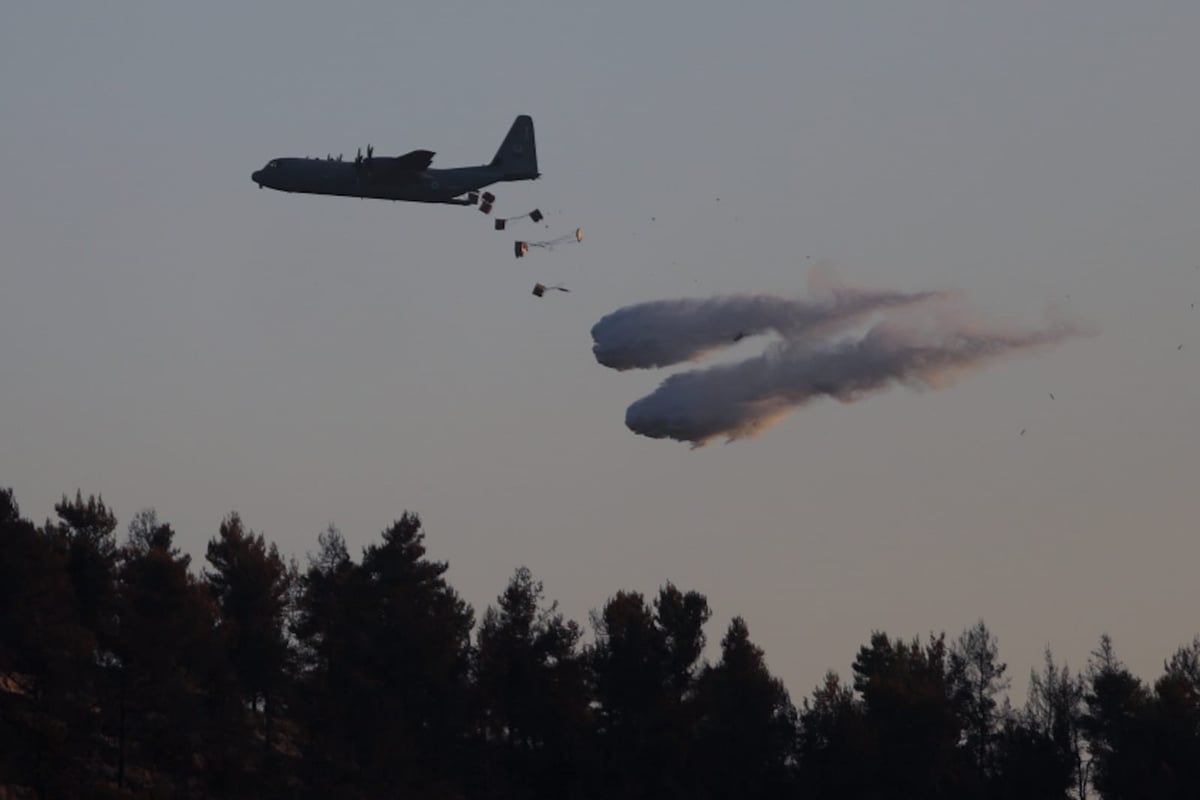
747 723
532 694
1116 727
251 586
909 708
837 748
976 677
164 642
47 672
644 664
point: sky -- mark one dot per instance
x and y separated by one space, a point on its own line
173 337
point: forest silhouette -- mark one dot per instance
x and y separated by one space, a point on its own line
127 673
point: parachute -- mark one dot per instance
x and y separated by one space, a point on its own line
534 215
521 248
540 289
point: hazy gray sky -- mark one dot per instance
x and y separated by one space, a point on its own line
171 336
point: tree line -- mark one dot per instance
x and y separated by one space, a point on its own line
125 673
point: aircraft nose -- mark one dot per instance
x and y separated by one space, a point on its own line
256 176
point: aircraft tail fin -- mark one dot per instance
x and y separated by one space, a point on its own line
517 156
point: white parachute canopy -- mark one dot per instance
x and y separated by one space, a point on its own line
521 248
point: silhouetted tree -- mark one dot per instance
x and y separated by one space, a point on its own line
46 662
146 532
1027 763
1176 724
1116 727
318 611
680 617
251 585
976 678
331 640
35 602
124 675
837 748
532 694
420 649
394 655
164 642
643 665
85 532
909 708
88 529
1054 711
746 723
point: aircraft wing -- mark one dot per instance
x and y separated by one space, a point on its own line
416 161
398 169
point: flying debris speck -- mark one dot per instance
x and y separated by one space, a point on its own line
1052 395
1022 433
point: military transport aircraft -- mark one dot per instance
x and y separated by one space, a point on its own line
406 177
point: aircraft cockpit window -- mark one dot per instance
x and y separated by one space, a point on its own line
272 164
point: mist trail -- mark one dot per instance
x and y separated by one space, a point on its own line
665 332
920 340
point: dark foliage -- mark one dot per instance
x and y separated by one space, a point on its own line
123 674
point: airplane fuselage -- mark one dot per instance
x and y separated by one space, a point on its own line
406 177
351 179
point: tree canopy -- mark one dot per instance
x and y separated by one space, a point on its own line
124 673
